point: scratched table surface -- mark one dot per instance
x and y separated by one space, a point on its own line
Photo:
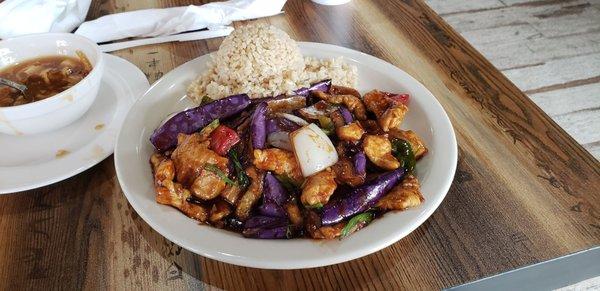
524 190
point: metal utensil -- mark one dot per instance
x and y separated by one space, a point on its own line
187 36
13 84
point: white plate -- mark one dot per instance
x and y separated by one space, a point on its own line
28 162
435 171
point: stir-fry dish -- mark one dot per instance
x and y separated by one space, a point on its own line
321 163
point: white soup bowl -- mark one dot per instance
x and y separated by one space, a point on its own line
58 110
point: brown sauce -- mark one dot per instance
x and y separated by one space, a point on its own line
44 77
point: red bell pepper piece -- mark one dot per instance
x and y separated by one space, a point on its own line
400 98
222 139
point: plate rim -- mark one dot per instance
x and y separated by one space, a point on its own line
86 164
300 263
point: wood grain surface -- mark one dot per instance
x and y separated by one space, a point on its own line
549 49
524 190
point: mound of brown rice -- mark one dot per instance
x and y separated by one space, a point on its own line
262 60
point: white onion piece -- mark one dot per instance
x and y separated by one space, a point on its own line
280 139
314 150
294 118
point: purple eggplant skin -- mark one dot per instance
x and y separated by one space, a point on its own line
361 198
271 125
346 114
302 91
360 163
287 125
274 196
273 190
258 126
279 232
270 208
261 221
324 86
280 124
191 120
266 227
272 212
349 149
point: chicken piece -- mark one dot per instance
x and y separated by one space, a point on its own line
312 221
406 194
379 151
371 127
219 210
318 188
345 173
294 214
376 102
346 149
392 118
279 161
165 171
390 113
155 160
207 185
163 167
287 104
416 143
316 230
353 103
329 232
190 157
337 119
341 90
173 194
350 132
251 196
231 193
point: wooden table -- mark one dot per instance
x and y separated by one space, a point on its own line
524 190
549 49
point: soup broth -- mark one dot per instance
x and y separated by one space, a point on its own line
44 77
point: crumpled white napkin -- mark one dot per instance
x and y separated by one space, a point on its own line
157 22
18 17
